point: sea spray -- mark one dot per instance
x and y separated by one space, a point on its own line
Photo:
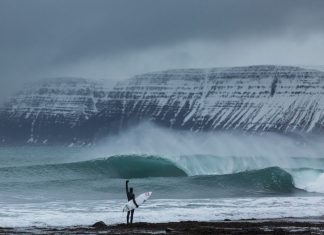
150 139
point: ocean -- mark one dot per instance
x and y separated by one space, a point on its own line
193 176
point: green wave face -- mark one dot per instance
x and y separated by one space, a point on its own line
124 166
134 166
272 179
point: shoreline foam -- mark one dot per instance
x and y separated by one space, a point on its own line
309 225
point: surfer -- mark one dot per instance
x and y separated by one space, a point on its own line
130 196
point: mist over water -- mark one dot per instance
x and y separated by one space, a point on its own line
151 151
151 139
223 153
148 151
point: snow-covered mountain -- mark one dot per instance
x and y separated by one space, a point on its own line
280 99
50 110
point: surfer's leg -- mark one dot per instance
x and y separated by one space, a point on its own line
128 212
132 214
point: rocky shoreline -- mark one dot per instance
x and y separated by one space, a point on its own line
273 226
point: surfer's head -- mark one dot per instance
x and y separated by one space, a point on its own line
131 190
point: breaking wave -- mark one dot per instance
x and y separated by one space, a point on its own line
268 180
124 166
200 174
206 174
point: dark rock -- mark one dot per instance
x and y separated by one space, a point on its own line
99 225
169 230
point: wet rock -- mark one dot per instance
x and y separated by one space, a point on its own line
169 230
99 225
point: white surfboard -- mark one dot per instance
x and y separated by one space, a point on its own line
139 200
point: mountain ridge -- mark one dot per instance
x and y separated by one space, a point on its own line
250 99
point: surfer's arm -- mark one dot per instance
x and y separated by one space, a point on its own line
135 202
127 187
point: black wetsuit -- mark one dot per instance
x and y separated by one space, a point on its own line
130 196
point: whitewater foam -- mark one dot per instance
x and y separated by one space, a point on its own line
87 212
317 185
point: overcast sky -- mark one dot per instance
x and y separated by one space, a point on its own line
117 39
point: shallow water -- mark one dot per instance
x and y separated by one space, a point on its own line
86 212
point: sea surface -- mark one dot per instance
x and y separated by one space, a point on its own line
232 179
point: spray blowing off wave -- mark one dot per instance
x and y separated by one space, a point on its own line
223 153
159 141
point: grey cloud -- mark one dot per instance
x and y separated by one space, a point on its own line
38 36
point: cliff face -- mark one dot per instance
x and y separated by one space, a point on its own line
50 111
255 98
249 99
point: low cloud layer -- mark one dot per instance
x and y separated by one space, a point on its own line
117 39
